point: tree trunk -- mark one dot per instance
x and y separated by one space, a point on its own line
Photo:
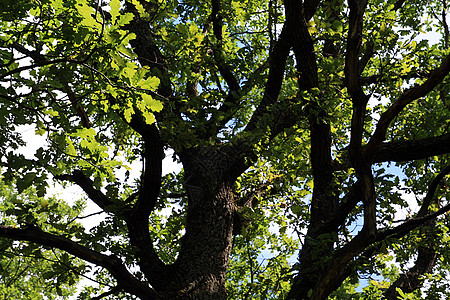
205 248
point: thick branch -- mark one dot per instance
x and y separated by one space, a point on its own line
310 8
33 54
303 45
352 198
367 55
379 78
424 209
339 266
323 203
445 24
331 47
277 64
76 104
231 103
113 264
153 155
403 151
354 40
359 100
294 34
409 225
137 218
216 19
359 243
426 258
113 291
407 97
352 76
30 67
413 278
393 151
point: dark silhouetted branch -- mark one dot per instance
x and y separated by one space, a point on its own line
113 264
403 100
87 185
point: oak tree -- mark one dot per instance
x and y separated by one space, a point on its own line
313 138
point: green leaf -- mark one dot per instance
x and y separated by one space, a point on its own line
115 10
51 112
85 133
150 83
128 113
401 294
70 150
152 104
86 12
125 19
140 8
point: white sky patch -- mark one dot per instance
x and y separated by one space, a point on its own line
169 164
413 207
33 141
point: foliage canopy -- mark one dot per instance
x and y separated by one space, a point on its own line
313 138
